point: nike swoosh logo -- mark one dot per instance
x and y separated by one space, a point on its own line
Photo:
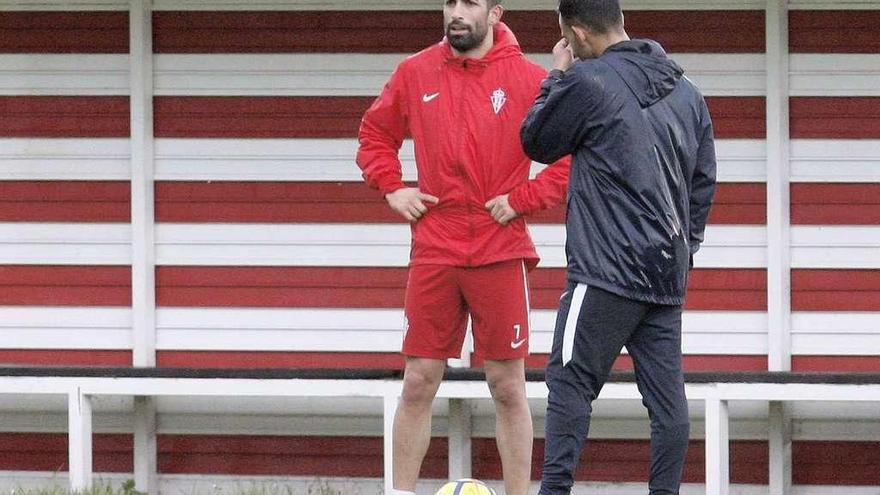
517 344
426 97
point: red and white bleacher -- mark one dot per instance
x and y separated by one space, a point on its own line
270 253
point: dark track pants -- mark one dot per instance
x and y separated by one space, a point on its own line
592 327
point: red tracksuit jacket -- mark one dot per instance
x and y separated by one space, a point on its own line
464 116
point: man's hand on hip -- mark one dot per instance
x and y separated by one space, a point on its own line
500 209
410 202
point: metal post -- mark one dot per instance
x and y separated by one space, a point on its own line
778 189
717 447
145 453
780 449
79 418
390 402
460 431
143 260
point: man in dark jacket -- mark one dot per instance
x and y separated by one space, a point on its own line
641 184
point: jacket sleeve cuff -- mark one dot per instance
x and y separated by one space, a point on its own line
391 185
556 74
516 202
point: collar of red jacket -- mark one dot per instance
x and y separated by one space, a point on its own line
506 45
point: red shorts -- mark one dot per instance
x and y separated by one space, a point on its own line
439 299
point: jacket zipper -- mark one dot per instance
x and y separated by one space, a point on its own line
465 176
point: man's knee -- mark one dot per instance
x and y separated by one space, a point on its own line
674 420
508 390
679 429
420 385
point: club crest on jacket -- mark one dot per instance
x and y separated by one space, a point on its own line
499 98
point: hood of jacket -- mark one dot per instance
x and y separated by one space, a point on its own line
505 45
645 69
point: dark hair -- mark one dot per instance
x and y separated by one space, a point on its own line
599 16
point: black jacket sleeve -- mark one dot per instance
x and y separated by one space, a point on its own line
703 180
559 120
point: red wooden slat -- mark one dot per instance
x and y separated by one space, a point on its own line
834 31
343 287
621 461
340 116
835 117
246 359
274 455
814 462
835 204
835 463
64 357
113 453
691 362
64 116
841 364
63 32
679 31
393 360
835 290
354 202
259 117
64 201
42 285
738 117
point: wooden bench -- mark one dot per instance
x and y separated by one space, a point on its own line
715 390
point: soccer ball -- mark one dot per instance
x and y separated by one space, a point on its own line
465 487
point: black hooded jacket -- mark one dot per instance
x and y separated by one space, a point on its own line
643 168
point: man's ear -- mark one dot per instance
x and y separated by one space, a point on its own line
582 32
495 14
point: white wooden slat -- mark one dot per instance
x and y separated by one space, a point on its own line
835 160
740 160
839 246
388 245
837 74
344 75
65 243
41 327
726 246
325 330
836 333
380 330
82 74
63 5
64 159
834 5
612 419
265 159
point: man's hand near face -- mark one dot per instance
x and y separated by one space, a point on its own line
562 55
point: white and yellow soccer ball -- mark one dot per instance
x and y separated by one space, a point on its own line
465 487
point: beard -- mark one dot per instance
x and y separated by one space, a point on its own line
469 40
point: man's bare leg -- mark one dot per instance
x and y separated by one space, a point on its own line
513 423
412 421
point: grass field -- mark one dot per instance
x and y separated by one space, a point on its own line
127 488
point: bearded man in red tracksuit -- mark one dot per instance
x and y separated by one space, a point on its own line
463 101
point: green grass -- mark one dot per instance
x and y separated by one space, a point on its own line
127 488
